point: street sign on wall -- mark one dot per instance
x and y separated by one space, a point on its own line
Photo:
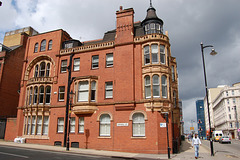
191 128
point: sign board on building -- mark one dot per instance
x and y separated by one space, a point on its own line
191 128
122 124
162 125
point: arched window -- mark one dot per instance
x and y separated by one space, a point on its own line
138 125
48 95
30 96
36 48
43 45
48 70
41 94
147 87
105 125
164 86
146 55
35 95
162 54
42 69
36 71
50 45
156 86
154 50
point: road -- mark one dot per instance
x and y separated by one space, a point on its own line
227 150
13 153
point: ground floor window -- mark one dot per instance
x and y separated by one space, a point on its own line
36 125
60 125
138 125
81 125
105 124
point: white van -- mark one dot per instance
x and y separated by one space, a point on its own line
216 135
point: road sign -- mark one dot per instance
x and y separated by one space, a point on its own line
163 125
191 128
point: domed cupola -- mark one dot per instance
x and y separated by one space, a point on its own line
152 24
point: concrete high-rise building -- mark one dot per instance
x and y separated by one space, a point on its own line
226 110
200 118
212 94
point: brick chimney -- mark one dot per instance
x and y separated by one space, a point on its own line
124 26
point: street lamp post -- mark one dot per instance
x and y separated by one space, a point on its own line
67 101
206 90
69 119
168 148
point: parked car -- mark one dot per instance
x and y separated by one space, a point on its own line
225 139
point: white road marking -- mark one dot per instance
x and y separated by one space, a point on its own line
16 155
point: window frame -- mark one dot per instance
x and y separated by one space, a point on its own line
146 55
43 45
36 47
72 127
80 124
76 65
106 125
109 63
83 90
64 67
164 86
50 45
147 86
109 83
95 63
60 124
162 54
155 85
138 123
60 93
154 54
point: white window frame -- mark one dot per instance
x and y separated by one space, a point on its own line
156 85
138 125
64 66
108 89
162 54
61 93
47 94
45 125
39 125
105 125
164 86
81 125
76 64
60 124
72 124
154 53
95 61
147 55
147 87
109 60
84 91
33 125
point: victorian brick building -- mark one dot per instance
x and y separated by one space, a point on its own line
12 53
122 87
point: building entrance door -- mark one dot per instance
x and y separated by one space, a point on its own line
2 128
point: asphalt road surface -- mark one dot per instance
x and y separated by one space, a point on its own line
227 150
13 153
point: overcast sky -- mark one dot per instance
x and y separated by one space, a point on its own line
189 22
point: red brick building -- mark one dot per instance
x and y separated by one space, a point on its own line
122 84
11 62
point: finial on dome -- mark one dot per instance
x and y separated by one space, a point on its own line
150 3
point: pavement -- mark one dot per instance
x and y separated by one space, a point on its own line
186 152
